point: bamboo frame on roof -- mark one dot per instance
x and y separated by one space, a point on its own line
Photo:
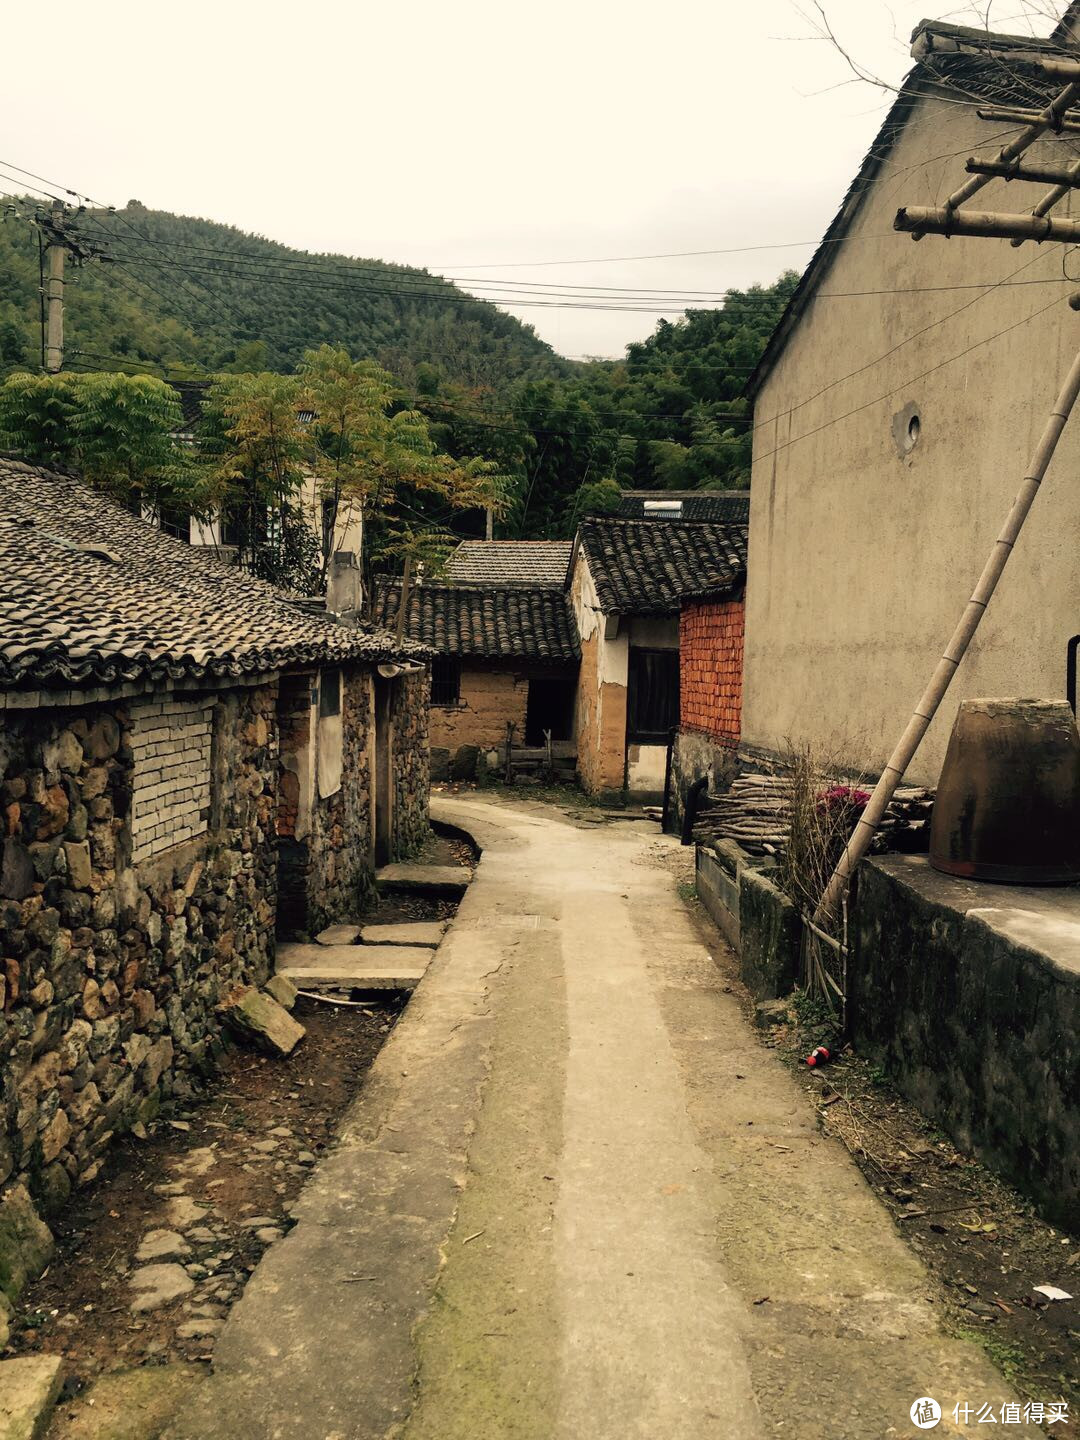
1032 170
1047 119
919 220
1016 114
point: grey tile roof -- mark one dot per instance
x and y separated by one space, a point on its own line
641 567
92 595
495 622
510 562
730 506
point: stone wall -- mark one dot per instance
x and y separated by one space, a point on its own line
969 996
338 838
170 788
490 699
409 710
711 668
112 969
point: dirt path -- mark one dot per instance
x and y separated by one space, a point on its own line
578 1198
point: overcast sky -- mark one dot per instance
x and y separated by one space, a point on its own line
459 134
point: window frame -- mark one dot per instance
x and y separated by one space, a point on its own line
449 685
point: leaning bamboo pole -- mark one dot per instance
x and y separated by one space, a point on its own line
947 666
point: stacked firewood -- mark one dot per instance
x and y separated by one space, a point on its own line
755 812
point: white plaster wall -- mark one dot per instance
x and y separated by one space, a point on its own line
861 558
331 740
645 767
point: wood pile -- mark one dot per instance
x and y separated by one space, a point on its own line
755 812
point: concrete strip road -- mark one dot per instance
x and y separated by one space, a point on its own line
590 1204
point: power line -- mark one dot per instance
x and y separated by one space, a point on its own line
568 303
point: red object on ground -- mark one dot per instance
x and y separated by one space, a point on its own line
819 1056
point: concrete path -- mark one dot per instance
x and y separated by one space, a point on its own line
577 1200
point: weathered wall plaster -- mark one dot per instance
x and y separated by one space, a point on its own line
863 552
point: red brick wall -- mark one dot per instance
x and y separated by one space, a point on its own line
711 665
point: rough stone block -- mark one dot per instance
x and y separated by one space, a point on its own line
339 935
26 1242
463 765
281 989
440 763
132 1404
260 1020
28 1390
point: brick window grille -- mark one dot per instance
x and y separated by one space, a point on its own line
445 681
170 794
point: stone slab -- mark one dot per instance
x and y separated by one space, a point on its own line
353 967
28 1390
427 933
338 935
424 879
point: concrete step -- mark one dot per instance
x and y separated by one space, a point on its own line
28 1390
408 932
444 880
353 967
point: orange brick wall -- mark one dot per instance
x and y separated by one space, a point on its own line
711 667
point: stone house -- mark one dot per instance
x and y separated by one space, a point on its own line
895 410
626 583
187 762
504 655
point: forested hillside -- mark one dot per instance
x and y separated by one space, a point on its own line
184 298
192 293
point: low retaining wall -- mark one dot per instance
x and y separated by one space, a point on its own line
754 915
969 996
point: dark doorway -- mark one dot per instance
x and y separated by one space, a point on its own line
550 706
384 771
653 699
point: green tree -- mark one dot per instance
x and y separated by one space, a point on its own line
118 430
384 461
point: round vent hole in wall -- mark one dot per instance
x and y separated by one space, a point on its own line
906 430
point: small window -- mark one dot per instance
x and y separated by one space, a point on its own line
653 700
329 694
445 681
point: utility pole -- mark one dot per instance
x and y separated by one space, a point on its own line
54 292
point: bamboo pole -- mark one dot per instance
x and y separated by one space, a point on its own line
1047 119
998 225
947 666
1027 170
1016 115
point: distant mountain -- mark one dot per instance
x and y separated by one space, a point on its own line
176 293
